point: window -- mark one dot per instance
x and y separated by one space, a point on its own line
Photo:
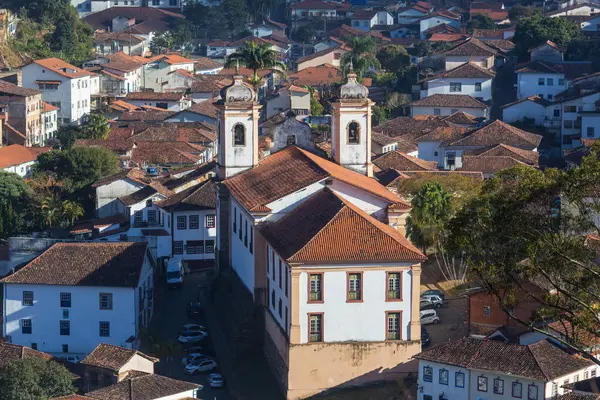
455 87
556 112
210 246
554 388
65 313
561 82
280 273
570 109
315 323
194 247
210 221
550 96
65 300
393 320
517 390
478 86
172 2
315 288
234 220
246 234
26 326
499 386
178 247
194 222
354 287
27 298
568 124
286 319
550 82
287 272
353 133
65 328
586 375
541 81
137 218
181 222
280 309
487 311
532 392
443 376
393 286
240 232
428 374
106 301
104 329
590 131
436 111
251 247
151 217
482 383
273 298
291 140
149 203
459 379
239 135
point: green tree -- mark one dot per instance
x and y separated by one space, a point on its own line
236 14
479 21
71 211
256 57
161 42
67 135
432 207
519 11
361 55
35 378
380 114
316 108
15 203
96 127
306 34
535 30
393 57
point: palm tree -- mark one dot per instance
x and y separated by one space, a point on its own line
71 211
256 57
361 55
51 210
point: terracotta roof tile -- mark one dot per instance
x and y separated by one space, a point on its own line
403 162
11 352
325 74
471 47
447 37
535 99
199 197
112 357
496 133
321 53
327 229
133 174
382 139
540 361
15 154
489 164
14 90
103 37
84 264
48 107
62 68
101 20
206 63
145 115
205 108
526 156
466 70
153 152
441 28
409 128
571 70
461 118
165 96
121 105
145 387
449 100
145 193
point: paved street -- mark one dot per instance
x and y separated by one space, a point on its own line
452 324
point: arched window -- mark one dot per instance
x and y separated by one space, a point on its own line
239 135
353 133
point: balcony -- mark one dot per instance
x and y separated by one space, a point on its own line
552 122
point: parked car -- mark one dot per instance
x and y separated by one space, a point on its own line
216 380
437 301
436 292
200 366
194 309
73 359
190 358
203 348
192 336
425 338
193 328
425 304
429 317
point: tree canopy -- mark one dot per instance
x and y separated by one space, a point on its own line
15 203
35 378
480 21
393 57
96 127
256 57
432 207
361 55
535 30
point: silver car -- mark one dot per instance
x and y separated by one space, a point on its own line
431 300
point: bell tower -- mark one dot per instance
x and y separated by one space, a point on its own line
237 126
351 127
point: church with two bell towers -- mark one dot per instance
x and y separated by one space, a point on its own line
311 251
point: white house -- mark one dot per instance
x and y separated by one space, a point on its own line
121 76
469 79
50 121
204 112
448 104
17 159
258 206
110 188
590 24
317 9
76 295
157 72
412 13
492 369
366 19
63 85
575 10
207 66
438 18
546 79
289 98
171 101
113 42
532 108
471 50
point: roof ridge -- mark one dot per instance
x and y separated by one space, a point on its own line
537 362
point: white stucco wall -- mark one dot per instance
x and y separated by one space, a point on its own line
273 276
202 233
138 363
361 321
430 151
445 111
237 158
23 170
442 86
525 109
528 85
482 61
107 195
242 260
592 122
350 155
428 23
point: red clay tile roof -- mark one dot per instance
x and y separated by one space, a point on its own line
48 107
152 152
174 59
292 169
121 105
527 156
102 37
205 63
449 100
195 133
325 74
466 70
133 174
15 154
496 133
578 335
489 164
198 197
382 139
101 20
204 108
461 118
441 28
471 47
169 96
14 90
541 361
112 357
535 99
321 53
115 76
447 37
146 192
146 115
548 43
84 264
327 229
62 68
488 33
403 162
11 352
144 387
409 128
571 70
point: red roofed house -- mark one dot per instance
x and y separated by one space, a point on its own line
438 18
158 73
331 56
17 159
289 98
366 19
171 101
23 112
65 86
318 9
317 245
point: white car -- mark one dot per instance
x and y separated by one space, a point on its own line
429 317
200 366
435 300
190 358
73 359
216 380
192 336
193 328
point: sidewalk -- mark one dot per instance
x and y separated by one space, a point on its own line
246 379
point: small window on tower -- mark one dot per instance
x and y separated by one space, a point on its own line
239 135
353 133
291 140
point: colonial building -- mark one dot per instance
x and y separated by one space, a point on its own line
280 272
469 79
76 295
24 109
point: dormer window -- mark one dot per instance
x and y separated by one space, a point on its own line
353 133
239 135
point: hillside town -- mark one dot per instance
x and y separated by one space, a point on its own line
313 199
